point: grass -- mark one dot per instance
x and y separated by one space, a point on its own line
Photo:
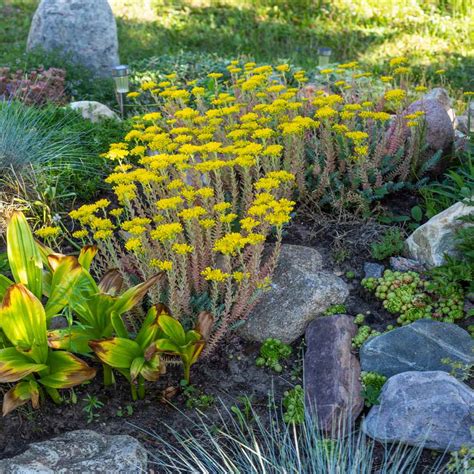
439 33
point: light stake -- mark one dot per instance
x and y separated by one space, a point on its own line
121 79
324 55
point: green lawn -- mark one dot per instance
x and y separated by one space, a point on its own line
436 33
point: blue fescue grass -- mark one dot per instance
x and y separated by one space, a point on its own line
243 442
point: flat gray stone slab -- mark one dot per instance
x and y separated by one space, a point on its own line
428 409
80 452
419 346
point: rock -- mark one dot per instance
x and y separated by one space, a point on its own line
429 409
373 270
439 131
79 452
463 124
93 111
429 242
402 264
332 373
82 30
419 346
442 97
300 292
58 322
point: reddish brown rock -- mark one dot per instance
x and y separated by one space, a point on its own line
332 373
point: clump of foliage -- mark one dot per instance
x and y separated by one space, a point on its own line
272 351
407 294
293 404
372 384
36 87
363 334
335 309
461 461
195 398
391 243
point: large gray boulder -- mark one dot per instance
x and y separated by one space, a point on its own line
332 373
429 242
420 346
300 292
429 409
83 30
80 452
93 111
441 95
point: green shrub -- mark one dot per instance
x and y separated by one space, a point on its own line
372 384
294 405
271 352
391 243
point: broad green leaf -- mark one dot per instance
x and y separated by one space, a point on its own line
165 345
86 256
20 394
111 283
136 367
24 322
66 371
152 369
173 329
23 254
150 329
5 283
65 276
74 339
14 365
116 351
134 295
192 337
118 325
45 252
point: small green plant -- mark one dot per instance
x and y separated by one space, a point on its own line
93 404
459 370
293 404
407 294
372 384
335 309
126 411
271 352
391 243
359 319
363 334
195 398
350 275
245 414
461 461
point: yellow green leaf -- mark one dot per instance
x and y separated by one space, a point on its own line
66 371
20 394
5 283
117 352
173 329
23 254
86 256
14 365
74 339
24 322
65 276
136 367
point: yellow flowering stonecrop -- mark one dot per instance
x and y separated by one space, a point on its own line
202 181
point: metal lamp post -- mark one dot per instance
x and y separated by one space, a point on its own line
121 79
324 54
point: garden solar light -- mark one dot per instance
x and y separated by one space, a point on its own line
324 54
121 76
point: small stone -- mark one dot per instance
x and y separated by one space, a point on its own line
332 373
58 322
429 242
93 111
81 30
300 292
402 264
373 270
428 409
419 346
78 452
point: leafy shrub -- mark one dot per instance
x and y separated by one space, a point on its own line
413 298
271 352
294 406
36 87
391 243
372 384
335 309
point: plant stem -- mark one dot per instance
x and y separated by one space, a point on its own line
54 394
133 389
141 387
108 375
187 372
